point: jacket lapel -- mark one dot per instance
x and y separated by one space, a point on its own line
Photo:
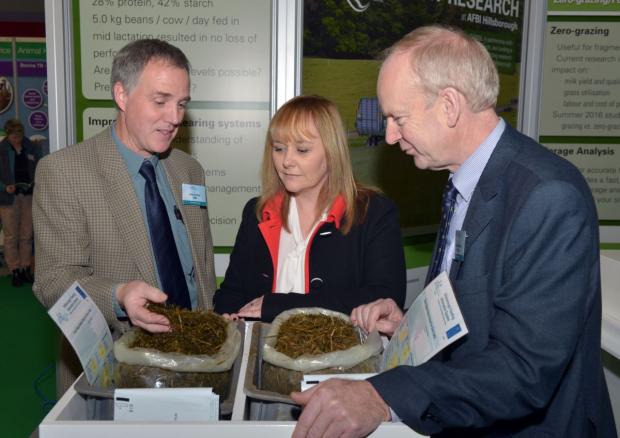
482 207
479 215
124 207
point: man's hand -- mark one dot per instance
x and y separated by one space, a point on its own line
337 408
383 315
10 188
134 297
253 309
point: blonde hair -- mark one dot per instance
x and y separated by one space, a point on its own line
442 57
292 122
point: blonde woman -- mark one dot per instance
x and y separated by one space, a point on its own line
314 237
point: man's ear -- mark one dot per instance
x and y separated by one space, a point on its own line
120 95
452 105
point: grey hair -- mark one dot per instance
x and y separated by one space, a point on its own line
442 57
130 61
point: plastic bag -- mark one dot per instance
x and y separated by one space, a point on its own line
221 361
370 346
140 376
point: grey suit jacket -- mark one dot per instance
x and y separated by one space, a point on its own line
89 227
529 289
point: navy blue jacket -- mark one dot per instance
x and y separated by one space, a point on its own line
345 271
7 166
529 288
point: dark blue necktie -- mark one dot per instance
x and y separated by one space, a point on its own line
164 248
447 208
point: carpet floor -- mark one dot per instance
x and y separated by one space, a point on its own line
29 339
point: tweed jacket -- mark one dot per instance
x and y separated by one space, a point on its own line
89 226
529 288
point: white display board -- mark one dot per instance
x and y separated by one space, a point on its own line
227 41
580 95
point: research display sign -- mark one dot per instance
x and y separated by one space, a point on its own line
32 90
580 102
23 87
228 43
6 80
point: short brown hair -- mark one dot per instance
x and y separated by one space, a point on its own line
13 126
129 62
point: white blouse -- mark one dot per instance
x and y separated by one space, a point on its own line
292 253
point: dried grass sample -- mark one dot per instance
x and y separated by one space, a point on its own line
193 332
314 334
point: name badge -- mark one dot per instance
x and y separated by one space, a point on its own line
459 245
194 195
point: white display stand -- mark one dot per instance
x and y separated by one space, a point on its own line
610 329
610 279
76 416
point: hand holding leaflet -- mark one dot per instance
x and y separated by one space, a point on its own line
433 322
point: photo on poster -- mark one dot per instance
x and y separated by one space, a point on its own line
6 94
342 47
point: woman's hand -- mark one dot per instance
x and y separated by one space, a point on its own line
253 309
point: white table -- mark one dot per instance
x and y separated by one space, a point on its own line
610 279
610 328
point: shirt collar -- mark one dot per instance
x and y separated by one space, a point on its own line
132 160
271 211
466 177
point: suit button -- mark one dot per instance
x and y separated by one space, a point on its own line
430 417
265 279
316 283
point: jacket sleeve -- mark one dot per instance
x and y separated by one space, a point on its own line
537 316
382 269
4 170
63 247
234 292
